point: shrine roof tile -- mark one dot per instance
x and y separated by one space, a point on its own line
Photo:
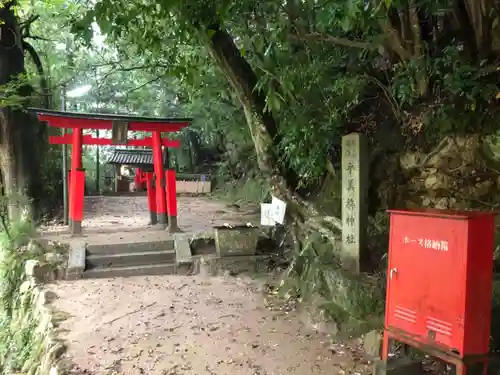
131 157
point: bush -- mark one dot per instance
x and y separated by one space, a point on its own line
253 191
17 341
192 176
355 303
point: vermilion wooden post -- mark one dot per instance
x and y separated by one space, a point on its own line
77 185
69 190
137 179
151 197
171 193
161 209
143 180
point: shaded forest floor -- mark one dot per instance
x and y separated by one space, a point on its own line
176 325
173 325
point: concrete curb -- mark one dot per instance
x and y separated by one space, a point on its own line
76 260
183 253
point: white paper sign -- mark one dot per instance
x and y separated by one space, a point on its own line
266 215
278 210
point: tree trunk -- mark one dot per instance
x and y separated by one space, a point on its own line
19 141
265 135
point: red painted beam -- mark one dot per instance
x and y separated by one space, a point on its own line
84 123
90 140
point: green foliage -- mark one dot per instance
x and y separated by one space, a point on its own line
10 93
251 191
290 85
17 325
322 71
16 344
319 68
463 97
350 300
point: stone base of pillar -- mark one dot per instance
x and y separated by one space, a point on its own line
76 227
162 219
153 219
172 225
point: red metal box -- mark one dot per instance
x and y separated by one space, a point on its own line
439 278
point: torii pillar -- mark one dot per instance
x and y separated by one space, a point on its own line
166 192
77 185
161 203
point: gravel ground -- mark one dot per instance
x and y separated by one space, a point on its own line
128 213
173 325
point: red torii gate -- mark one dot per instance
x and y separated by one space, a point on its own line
165 199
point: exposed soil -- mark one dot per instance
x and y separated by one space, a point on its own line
128 213
177 325
173 325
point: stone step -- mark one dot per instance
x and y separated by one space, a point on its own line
134 247
130 259
151 270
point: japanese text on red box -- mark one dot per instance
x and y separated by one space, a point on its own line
427 243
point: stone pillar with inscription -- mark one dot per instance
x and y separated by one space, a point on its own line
354 251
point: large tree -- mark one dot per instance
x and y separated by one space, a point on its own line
419 77
20 133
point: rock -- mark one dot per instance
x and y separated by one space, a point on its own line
53 258
56 351
26 286
442 204
33 247
312 314
410 160
426 202
432 171
41 299
458 168
30 267
436 181
372 343
399 366
482 188
41 272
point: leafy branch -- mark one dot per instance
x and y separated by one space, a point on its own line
344 42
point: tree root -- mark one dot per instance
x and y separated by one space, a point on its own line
441 145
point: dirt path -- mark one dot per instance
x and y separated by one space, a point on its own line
173 325
128 213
